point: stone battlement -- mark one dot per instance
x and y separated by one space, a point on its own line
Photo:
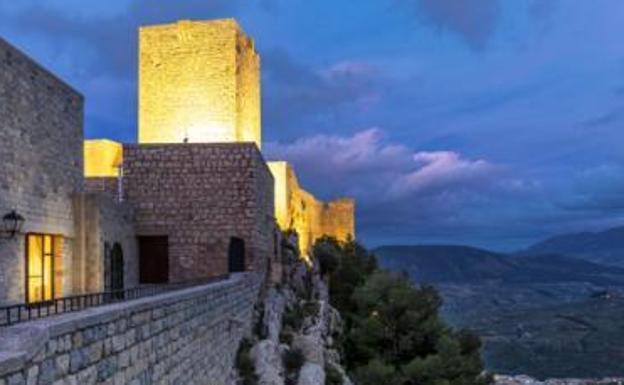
297 209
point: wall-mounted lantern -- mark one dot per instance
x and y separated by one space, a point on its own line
12 224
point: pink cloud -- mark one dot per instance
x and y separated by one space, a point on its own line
368 167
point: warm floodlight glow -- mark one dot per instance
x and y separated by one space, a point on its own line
199 82
102 158
299 210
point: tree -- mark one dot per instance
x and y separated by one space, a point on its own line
394 334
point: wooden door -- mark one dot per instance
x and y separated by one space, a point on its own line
153 259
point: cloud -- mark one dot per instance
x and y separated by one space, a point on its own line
597 189
442 169
473 20
366 166
606 119
98 50
300 94
111 40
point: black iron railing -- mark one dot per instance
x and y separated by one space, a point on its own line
14 314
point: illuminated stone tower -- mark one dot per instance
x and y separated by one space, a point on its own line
199 81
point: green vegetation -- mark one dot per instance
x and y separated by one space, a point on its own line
394 335
293 360
244 363
332 376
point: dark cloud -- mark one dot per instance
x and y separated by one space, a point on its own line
102 51
473 20
598 190
112 39
302 96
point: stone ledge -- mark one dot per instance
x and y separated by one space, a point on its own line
21 343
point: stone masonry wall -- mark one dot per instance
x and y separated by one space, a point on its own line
41 121
101 222
188 337
199 81
200 195
106 185
311 218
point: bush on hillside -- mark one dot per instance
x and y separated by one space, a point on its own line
394 334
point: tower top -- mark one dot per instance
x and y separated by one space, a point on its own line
199 81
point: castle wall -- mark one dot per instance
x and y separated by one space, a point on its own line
185 337
102 222
199 81
102 158
311 218
104 185
41 120
201 195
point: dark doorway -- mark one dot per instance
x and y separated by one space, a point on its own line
153 259
236 255
117 268
114 267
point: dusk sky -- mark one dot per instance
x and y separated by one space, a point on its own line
492 123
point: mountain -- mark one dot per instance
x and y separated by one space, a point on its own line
606 247
545 315
469 265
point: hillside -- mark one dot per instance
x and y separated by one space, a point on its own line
605 247
463 264
542 315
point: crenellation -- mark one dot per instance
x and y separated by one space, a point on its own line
298 210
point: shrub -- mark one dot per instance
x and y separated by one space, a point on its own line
260 328
293 318
293 360
375 373
286 337
393 331
328 256
244 363
310 309
332 376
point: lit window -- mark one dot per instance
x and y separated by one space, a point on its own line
43 267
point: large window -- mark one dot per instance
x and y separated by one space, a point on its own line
43 267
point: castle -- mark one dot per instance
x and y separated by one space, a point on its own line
193 199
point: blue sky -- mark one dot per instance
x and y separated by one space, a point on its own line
486 122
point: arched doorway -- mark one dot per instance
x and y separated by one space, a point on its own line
236 255
116 268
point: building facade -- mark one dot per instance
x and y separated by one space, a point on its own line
211 204
56 251
194 199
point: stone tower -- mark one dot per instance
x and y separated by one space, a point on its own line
199 81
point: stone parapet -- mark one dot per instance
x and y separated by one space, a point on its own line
186 337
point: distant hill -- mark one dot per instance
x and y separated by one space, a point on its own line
545 315
469 265
606 247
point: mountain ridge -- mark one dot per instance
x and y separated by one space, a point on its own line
604 247
466 264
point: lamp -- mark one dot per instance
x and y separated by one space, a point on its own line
12 223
